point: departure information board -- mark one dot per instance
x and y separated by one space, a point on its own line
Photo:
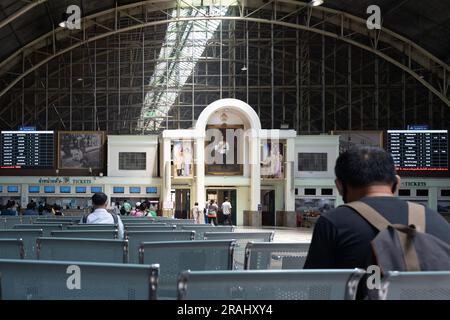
419 150
27 150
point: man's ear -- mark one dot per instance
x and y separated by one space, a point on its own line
339 186
397 183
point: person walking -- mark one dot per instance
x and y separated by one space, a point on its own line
212 213
196 213
226 210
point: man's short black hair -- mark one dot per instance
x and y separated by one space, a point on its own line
364 166
99 199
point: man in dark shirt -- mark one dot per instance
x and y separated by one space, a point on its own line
341 237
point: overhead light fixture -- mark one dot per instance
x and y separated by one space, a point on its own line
315 3
244 68
80 79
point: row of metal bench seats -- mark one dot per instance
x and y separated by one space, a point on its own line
81 280
7 221
174 257
135 238
47 228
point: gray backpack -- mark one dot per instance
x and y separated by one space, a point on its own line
404 247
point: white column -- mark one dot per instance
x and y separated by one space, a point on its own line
166 169
255 172
200 172
289 188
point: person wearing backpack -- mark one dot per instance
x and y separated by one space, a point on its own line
346 237
101 216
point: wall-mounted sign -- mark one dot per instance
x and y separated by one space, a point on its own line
414 184
60 180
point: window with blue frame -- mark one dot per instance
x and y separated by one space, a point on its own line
1 188
152 190
13 189
118 190
65 189
49 189
80 189
33 189
96 189
135 189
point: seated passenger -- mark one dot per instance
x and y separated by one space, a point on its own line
10 209
100 215
31 210
139 210
47 210
58 210
341 237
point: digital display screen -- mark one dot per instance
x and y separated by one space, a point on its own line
96 189
64 189
27 150
118 189
49 189
13 189
152 190
33 189
419 150
80 189
135 190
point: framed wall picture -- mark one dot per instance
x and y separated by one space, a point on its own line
183 159
272 159
348 139
80 149
223 155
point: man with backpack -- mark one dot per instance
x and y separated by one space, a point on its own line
374 227
101 216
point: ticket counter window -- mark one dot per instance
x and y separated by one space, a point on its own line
96 189
12 189
33 189
65 189
80 189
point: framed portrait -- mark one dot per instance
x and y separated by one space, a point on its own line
182 159
80 149
224 155
272 159
348 139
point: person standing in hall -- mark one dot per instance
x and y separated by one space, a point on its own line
212 212
196 213
226 210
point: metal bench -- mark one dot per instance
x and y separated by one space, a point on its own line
269 285
70 280
423 285
46 228
28 236
79 249
242 238
11 249
271 255
96 234
201 229
135 238
175 257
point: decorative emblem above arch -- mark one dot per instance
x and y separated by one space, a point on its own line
238 106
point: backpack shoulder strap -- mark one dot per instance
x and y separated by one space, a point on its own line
370 214
85 217
416 216
116 220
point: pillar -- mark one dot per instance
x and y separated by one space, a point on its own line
166 170
200 172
